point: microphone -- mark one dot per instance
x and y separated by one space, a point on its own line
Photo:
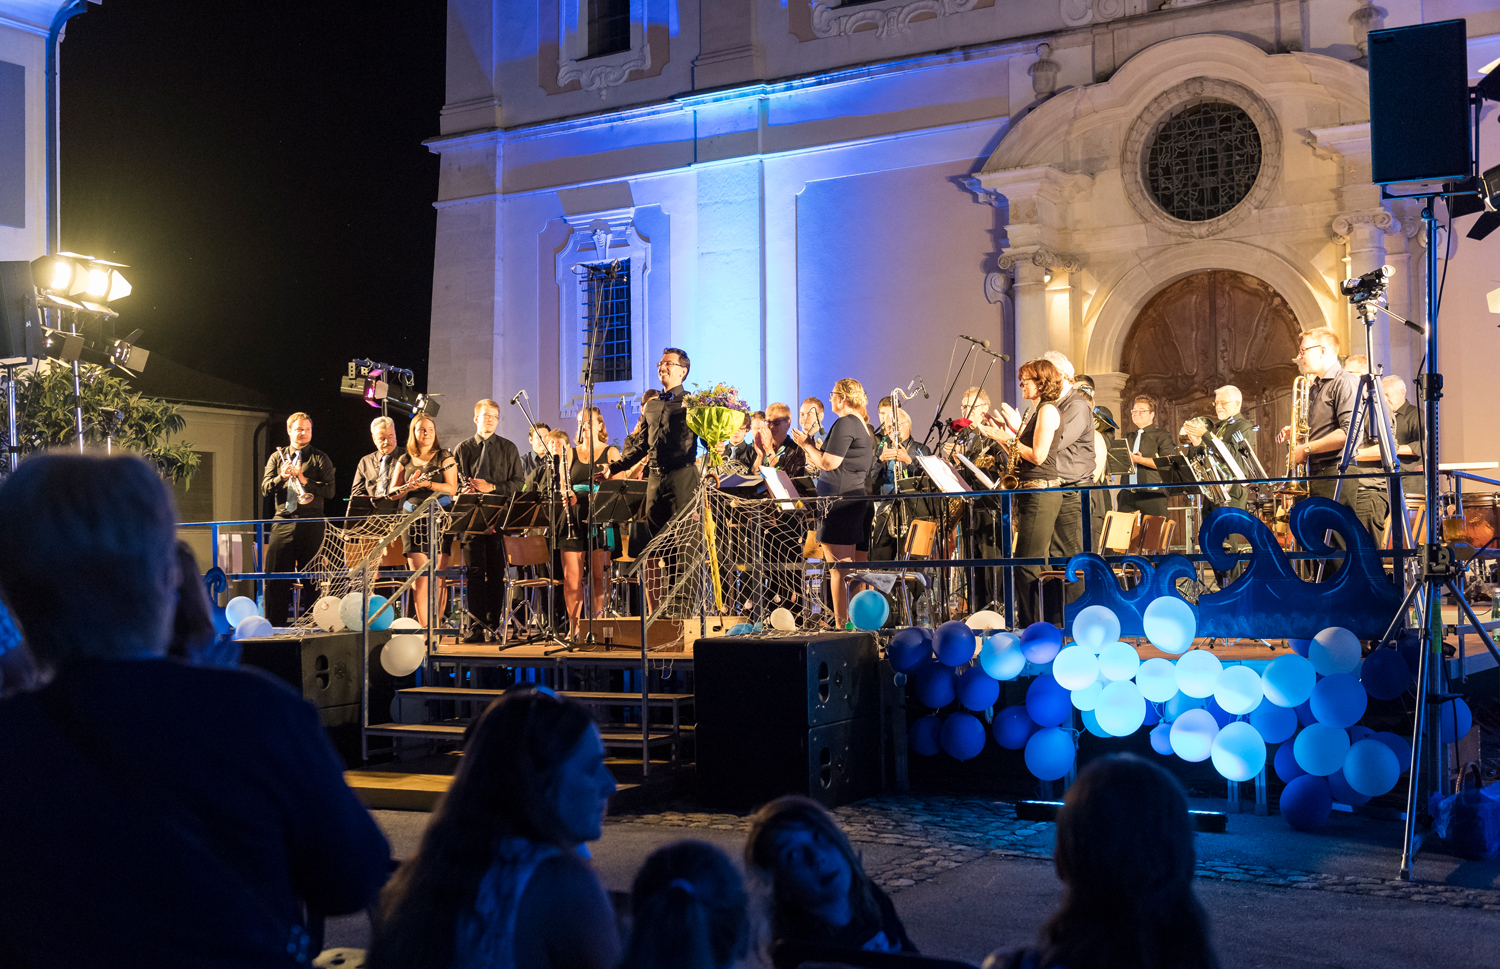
983 343
519 394
923 388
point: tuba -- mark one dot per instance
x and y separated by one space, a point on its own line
1301 429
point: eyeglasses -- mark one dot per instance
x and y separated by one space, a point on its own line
1304 351
779 420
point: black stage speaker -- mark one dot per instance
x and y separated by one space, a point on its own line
1419 103
787 716
20 324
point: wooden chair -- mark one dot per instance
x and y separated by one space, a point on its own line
526 552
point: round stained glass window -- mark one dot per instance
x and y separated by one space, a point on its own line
1203 160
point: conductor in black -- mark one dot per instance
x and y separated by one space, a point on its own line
300 478
492 465
668 445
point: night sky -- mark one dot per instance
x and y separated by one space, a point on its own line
259 165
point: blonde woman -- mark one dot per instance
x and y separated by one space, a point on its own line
425 468
843 461
591 453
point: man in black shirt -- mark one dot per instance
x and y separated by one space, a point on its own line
300 477
1372 501
373 474
669 446
1075 465
1227 403
894 462
538 440
492 465
1330 408
1148 444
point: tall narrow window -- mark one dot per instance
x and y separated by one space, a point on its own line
606 323
609 26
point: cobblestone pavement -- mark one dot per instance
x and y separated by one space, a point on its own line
938 834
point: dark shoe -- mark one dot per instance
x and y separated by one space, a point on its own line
477 636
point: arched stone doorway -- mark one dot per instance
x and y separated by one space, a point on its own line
1207 330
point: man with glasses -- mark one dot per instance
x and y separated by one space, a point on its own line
669 446
1330 408
1148 444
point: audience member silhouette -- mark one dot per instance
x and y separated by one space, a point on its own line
499 880
819 890
1125 854
688 910
172 815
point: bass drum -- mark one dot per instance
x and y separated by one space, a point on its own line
1481 517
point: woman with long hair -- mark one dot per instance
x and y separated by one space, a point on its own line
819 890
843 460
1038 437
590 452
499 880
425 468
688 910
1125 854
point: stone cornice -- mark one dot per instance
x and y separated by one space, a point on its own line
1344 223
1347 141
1043 181
1041 256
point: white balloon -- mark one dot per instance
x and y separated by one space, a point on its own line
1157 679
253 627
351 611
1334 650
325 613
1119 661
239 609
1198 673
1088 697
1193 735
405 622
1238 751
1238 691
1121 709
1075 667
1095 626
985 620
1169 624
401 655
782 619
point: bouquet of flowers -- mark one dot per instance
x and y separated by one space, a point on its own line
715 414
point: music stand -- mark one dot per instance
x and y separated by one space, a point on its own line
617 502
528 509
363 506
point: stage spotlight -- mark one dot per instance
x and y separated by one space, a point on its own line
68 274
1493 298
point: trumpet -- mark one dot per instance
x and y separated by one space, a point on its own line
1301 429
290 459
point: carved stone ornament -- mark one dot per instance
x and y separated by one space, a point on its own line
1042 257
599 74
1343 225
1076 13
1196 91
1044 72
836 21
997 287
1365 18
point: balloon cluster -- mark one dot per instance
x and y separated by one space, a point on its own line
1196 707
243 615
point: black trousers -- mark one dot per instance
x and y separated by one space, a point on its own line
291 547
667 493
484 577
1067 539
1037 515
1147 501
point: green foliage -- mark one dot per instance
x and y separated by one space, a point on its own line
44 405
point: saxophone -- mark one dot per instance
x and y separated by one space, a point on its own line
1301 405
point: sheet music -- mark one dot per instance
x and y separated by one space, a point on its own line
780 485
984 479
942 474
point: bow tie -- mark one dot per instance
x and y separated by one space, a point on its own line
667 396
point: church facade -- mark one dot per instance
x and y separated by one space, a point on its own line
795 191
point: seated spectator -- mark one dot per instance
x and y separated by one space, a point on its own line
688 910
500 879
819 890
1125 855
172 815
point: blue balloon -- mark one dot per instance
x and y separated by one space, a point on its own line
1013 727
740 629
1286 764
936 687
1170 624
1276 724
962 736
909 648
1371 768
1320 749
1091 724
1454 720
1339 787
1306 802
1358 733
1047 702
1305 714
1153 715
1338 700
1223 717
1161 738
1094 627
1300 646
253 627
239 609
1049 753
1179 704
1193 735
1288 680
1040 643
923 735
1239 753
869 610
1385 674
954 643
1399 747
1001 656
977 690
1121 709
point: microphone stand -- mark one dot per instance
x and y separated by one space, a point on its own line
596 277
937 422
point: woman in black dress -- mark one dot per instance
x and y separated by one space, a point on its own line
591 453
1035 514
843 462
423 469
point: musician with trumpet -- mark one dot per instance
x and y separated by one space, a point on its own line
894 451
302 477
1227 421
488 463
425 469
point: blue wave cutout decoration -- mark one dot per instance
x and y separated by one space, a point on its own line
1267 600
